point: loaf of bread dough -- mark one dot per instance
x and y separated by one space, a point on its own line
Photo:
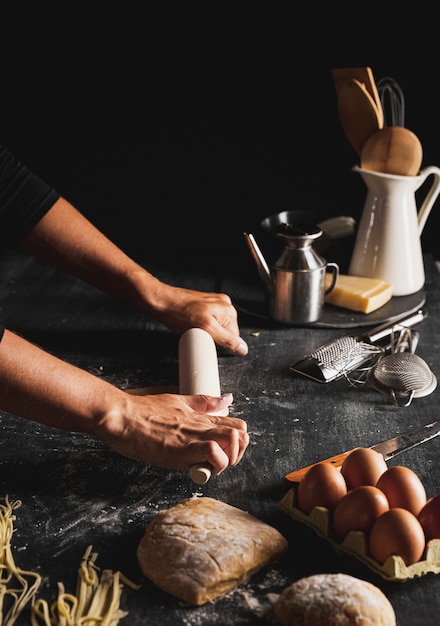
202 548
333 600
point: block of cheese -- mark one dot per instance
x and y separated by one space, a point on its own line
358 293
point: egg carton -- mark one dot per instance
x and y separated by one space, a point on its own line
355 544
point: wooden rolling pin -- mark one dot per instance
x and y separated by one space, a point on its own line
198 374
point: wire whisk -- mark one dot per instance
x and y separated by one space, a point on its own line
396 106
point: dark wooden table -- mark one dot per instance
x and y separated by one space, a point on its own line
75 492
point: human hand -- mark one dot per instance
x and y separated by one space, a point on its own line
175 431
182 309
92 257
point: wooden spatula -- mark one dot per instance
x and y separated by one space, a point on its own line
358 113
365 76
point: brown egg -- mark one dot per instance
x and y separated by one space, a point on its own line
363 466
322 485
358 510
397 532
429 517
403 488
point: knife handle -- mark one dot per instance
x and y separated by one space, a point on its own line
337 461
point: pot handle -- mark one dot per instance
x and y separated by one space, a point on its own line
334 269
431 196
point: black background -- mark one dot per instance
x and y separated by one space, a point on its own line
176 128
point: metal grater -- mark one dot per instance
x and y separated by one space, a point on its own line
337 359
341 356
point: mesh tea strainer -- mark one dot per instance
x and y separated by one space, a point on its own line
402 374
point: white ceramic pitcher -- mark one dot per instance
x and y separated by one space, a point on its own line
388 243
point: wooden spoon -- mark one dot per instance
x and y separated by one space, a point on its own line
392 150
358 113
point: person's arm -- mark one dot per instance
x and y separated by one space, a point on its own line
169 430
65 238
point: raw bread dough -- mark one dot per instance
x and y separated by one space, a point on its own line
333 600
202 548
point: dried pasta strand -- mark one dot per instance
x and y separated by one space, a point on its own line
87 581
17 586
65 605
96 602
40 609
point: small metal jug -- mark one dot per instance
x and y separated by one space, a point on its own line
296 283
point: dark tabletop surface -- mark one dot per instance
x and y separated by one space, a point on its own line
75 492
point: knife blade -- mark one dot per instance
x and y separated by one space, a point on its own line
388 449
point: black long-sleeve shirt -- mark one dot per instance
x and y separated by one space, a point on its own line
24 200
